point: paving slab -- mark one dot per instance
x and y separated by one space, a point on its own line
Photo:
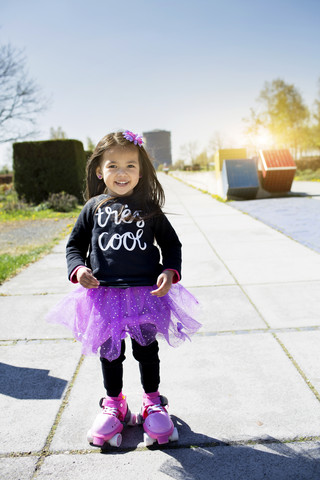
83 405
288 304
309 188
205 181
274 270
48 275
226 308
275 248
236 227
182 223
21 468
201 265
205 272
272 461
249 387
61 247
268 260
231 385
33 379
304 348
27 317
202 207
289 215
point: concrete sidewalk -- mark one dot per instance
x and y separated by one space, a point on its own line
244 394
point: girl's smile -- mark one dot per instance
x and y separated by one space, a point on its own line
120 170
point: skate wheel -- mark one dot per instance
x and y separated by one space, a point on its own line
133 420
148 441
174 437
116 440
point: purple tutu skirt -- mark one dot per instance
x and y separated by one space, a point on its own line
102 317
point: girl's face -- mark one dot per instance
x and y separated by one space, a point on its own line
120 170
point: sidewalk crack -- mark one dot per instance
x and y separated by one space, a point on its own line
45 450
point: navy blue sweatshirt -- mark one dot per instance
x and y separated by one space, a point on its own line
118 244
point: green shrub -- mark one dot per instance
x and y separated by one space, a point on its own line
308 175
13 204
50 166
6 188
62 202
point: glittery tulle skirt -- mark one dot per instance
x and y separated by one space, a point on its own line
103 316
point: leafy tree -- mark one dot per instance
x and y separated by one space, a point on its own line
283 113
57 134
5 169
316 127
203 159
178 165
21 99
90 145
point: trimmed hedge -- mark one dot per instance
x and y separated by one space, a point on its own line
50 166
308 163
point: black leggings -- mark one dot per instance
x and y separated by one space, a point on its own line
149 365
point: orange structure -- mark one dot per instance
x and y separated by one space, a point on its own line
277 169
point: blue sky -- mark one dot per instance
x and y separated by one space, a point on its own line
193 67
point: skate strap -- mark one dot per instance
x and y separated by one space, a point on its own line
111 411
157 408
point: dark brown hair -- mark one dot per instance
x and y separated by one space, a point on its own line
148 190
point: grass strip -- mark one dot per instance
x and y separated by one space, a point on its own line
31 214
307 175
11 264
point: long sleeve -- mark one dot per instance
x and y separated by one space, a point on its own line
169 244
79 240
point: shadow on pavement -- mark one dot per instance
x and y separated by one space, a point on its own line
30 383
211 458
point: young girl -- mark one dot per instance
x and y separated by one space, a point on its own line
126 287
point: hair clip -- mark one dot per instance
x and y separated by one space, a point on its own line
133 137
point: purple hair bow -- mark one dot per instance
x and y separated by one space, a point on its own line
133 137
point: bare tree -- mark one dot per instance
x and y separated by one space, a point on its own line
21 99
189 152
216 142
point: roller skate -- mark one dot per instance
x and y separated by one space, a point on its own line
108 425
157 424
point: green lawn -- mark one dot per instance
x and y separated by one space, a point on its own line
14 210
11 264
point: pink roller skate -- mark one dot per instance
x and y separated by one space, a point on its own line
109 423
157 423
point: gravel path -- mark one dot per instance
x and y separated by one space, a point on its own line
23 233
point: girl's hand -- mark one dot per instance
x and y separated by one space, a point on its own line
164 283
86 279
